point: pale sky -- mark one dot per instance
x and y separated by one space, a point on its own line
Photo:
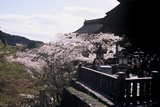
43 19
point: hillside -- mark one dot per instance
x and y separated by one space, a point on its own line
14 40
68 48
51 66
15 83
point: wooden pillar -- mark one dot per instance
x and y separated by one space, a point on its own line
121 86
79 73
155 91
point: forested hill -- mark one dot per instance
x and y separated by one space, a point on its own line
13 40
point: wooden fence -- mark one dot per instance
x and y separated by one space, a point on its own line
126 90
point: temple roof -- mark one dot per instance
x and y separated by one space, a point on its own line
111 23
134 18
90 28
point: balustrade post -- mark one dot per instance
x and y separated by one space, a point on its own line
155 91
121 86
79 74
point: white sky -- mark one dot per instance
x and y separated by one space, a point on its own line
42 19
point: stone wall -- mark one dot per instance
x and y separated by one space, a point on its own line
74 98
71 100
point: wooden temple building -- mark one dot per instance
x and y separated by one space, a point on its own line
112 85
136 19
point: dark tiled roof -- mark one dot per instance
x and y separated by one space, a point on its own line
90 28
135 19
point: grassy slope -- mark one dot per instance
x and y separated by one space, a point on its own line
14 80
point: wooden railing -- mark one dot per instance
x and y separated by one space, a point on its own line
138 87
120 88
104 82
